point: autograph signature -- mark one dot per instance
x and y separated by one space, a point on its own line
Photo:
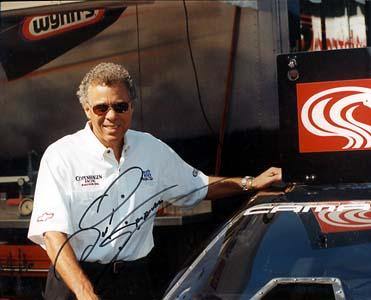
124 228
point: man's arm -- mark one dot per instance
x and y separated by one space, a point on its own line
223 187
68 266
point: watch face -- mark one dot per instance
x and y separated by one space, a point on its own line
25 207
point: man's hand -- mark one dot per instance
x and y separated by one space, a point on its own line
68 266
266 178
87 295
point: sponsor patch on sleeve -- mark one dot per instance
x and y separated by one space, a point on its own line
45 216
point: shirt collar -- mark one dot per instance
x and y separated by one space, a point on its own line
96 146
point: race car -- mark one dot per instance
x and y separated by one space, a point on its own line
302 243
310 239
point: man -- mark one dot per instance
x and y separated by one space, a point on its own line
98 190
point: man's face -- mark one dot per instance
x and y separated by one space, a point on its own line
111 126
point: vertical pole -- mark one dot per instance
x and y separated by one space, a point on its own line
228 89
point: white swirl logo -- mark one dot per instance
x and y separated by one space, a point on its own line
338 120
352 219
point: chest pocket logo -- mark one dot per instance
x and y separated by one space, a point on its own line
147 175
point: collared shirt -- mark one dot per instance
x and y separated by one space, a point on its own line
106 207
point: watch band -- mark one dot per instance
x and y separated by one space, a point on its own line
247 183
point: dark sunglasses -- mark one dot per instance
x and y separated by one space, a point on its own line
120 107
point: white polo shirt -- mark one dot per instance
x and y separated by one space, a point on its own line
106 207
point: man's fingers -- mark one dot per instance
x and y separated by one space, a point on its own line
273 172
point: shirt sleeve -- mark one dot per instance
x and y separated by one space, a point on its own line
185 185
51 209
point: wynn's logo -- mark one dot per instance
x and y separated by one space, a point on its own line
334 116
40 27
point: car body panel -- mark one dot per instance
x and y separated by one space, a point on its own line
270 239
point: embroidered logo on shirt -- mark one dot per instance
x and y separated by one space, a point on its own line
45 216
147 175
89 179
195 172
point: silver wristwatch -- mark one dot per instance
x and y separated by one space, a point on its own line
247 183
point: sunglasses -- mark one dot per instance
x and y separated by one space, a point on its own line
120 107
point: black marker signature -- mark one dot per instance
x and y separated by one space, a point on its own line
123 229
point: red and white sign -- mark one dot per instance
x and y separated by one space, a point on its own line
334 115
343 221
40 27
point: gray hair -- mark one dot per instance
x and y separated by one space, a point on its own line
107 74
